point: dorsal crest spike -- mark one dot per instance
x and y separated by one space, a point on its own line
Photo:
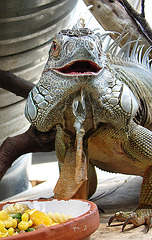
134 51
131 52
145 59
114 46
140 53
125 50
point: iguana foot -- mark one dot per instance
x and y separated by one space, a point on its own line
139 217
143 213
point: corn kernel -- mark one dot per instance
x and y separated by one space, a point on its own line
23 225
8 223
3 215
30 222
4 230
4 234
14 222
2 225
25 217
10 231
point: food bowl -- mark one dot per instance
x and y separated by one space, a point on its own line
84 221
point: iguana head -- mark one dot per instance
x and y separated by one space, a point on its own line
79 81
76 52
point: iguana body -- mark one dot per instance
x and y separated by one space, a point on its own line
101 106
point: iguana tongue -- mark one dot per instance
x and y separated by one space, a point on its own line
72 182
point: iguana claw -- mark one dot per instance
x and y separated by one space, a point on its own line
137 218
120 216
129 219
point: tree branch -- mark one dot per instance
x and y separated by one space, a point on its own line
139 18
143 8
30 141
15 84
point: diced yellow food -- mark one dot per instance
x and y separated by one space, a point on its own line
14 221
11 231
4 230
8 223
15 233
2 235
3 215
39 217
2 225
25 217
30 222
23 225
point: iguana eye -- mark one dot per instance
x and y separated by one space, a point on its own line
54 45
55 49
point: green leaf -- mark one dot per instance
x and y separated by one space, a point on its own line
30 229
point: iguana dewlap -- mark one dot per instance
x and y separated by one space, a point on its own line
101 104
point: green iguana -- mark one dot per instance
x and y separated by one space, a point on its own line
101 105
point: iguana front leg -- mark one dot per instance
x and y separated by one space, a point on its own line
139 147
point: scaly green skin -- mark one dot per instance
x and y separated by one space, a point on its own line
101 106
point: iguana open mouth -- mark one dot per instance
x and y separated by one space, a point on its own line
79 67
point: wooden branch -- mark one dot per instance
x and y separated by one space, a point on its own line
15 84
143 8
30 141
139 18
113 17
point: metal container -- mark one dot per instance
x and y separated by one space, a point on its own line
16 178
26 30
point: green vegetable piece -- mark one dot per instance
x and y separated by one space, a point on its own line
30 229
16 215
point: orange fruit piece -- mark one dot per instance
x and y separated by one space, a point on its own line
39 217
